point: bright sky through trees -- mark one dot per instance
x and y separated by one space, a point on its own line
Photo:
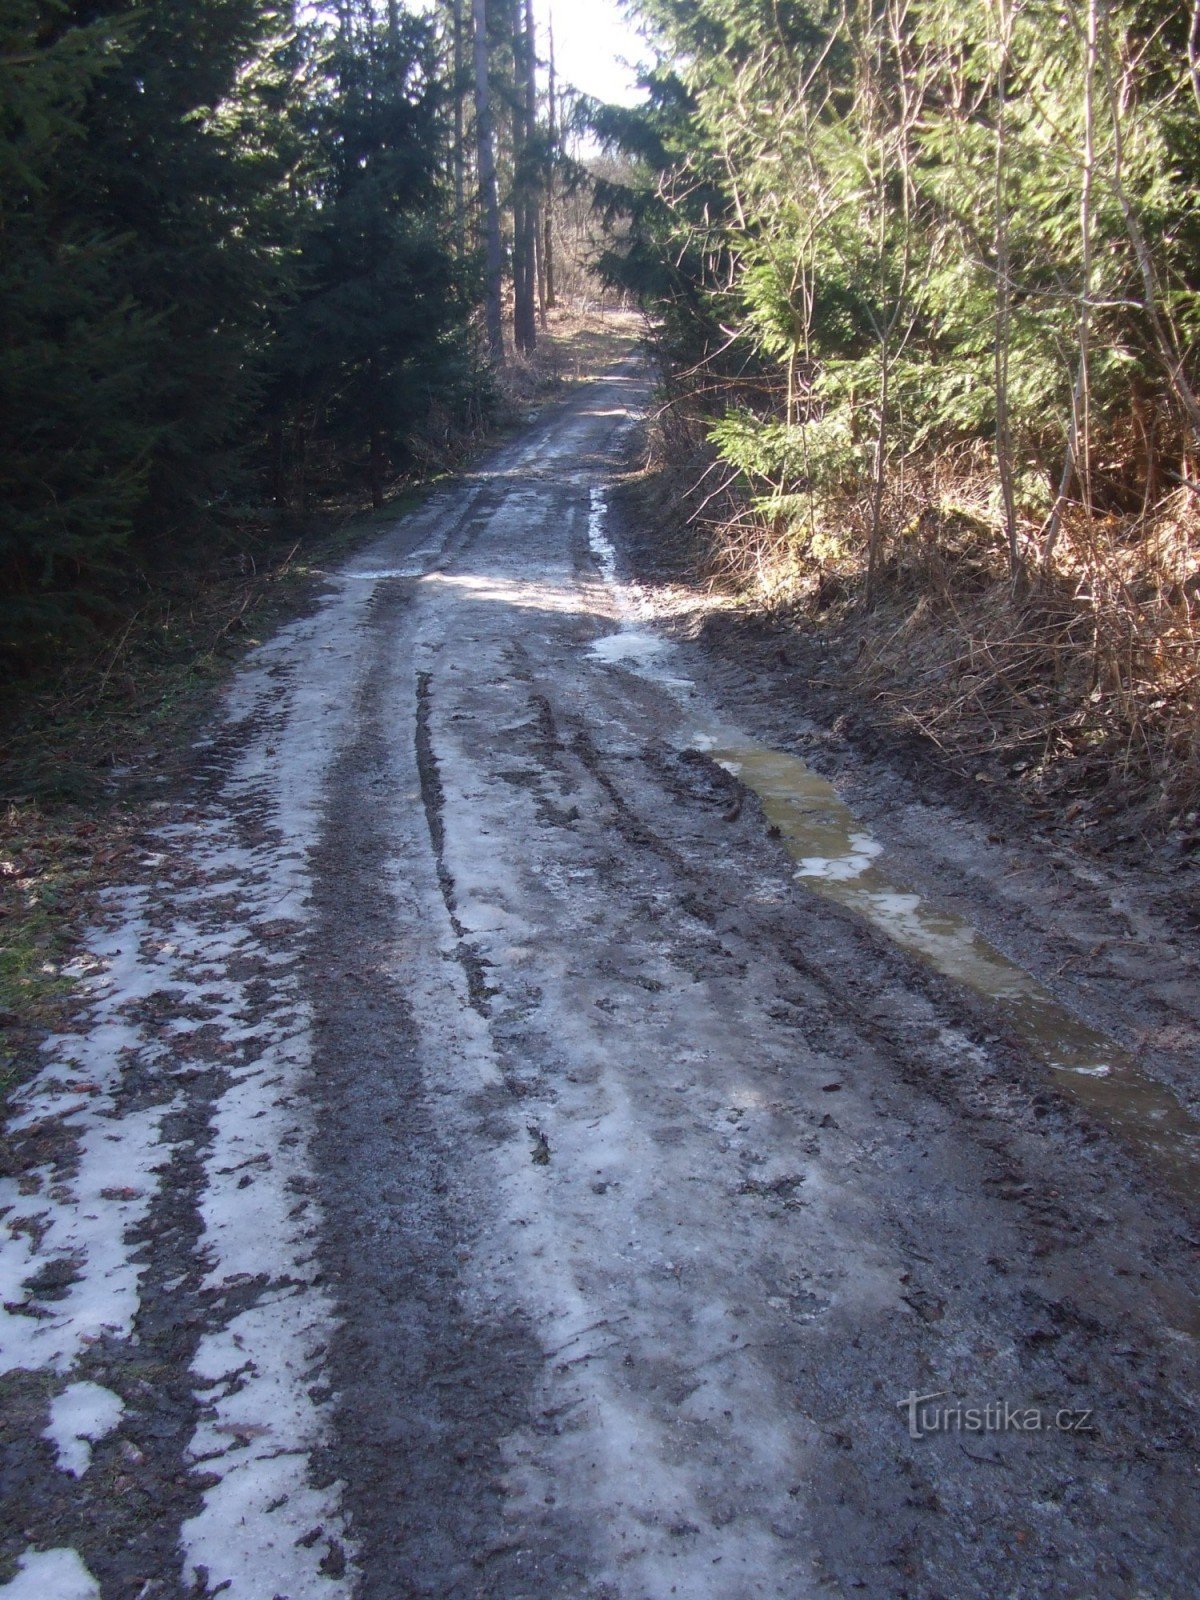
593 40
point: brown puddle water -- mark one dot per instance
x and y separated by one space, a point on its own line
835 857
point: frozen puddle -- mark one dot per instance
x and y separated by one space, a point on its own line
631 647
835 858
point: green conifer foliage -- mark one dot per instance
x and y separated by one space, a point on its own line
917 226
377 334
75 348
230 276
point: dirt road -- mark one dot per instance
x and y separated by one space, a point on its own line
497 1164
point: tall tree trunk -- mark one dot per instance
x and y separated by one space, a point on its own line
489 198
875 538
539 250
551 157
460 135
525 177
1004 298
533 166
378 455
1077 463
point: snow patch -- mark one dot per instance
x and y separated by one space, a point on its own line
51 1575
634 647
80 1221
80 1417
601 545
255 1375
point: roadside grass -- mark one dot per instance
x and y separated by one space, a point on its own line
1077 689
85 747
50 865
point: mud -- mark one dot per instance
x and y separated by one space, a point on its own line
836 857
555 1179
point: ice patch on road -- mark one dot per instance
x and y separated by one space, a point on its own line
255 1376
77 1222
601 545
618 1461
192 1009
634 646
862 851
258 1375
51 1575
80 1417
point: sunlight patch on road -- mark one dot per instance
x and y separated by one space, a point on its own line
523 596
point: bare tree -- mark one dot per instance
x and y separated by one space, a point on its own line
1078 429
525 176
460 137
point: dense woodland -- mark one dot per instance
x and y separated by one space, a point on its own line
927 280
254 254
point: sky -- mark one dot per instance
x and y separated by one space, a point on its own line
590 39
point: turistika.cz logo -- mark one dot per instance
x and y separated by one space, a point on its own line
925 1416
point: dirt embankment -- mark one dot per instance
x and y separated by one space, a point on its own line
983 701
1069 701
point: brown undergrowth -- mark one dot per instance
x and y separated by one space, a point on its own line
1079 683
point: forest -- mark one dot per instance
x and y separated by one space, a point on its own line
920 279
252 258
926 278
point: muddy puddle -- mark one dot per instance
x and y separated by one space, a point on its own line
835 857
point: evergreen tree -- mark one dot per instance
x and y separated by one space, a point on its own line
489 198
229 259
924 225
377 336
75 348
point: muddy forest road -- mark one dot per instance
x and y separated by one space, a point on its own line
489 1170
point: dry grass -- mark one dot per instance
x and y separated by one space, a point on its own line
577 344
1082 680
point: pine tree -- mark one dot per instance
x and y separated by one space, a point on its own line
230 259
75 349
927 226
376 338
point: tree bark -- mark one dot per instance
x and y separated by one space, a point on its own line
1004 299
460 135
1078 432
525 211
551 156
489 197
